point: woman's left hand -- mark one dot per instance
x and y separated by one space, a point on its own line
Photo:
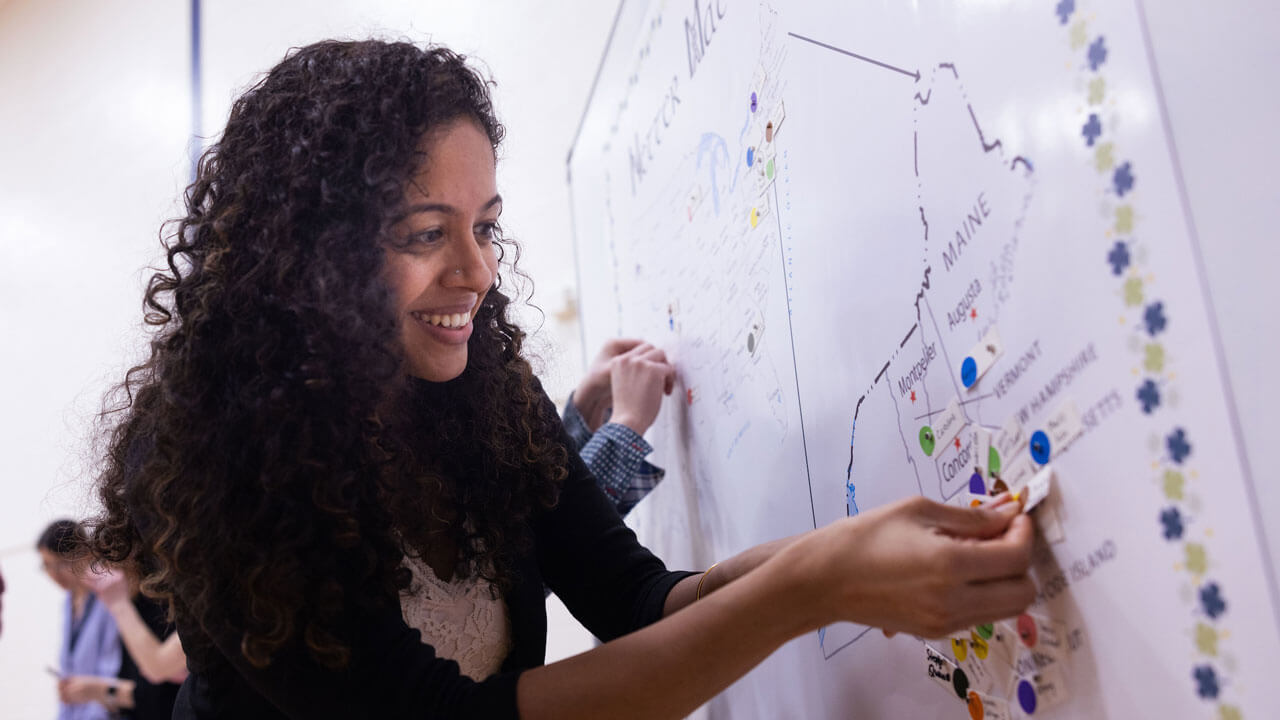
78 689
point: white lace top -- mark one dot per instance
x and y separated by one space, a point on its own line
461 619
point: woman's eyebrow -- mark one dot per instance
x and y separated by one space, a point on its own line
449 209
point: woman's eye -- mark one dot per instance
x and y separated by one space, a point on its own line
427 237
487 231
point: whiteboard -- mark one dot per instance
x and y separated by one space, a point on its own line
921 249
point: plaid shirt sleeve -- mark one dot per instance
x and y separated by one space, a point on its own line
615 454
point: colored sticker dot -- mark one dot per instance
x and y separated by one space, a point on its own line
751 156
986 631
976 711
753 102
1027 630
976 485
926 440
1197 559
969 372
1206 639
1040 447
1026 697
980 647
960 683
960 648
754 217
993 460
768 169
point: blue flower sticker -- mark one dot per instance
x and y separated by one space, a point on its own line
1097 53
1178 446
1211 601
1123 177
1206 682
1091 129
1118 258
1064 10
1149 395
1171 519
1154 318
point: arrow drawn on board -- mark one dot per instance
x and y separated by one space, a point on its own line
863 58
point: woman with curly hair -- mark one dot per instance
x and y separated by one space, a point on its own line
336 432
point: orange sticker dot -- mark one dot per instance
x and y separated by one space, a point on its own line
976 711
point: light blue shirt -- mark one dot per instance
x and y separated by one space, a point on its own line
90 647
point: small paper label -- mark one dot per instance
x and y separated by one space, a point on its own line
1064 426
1018 473
940 669
1010 441
980 359
947 425
981 450
1037 489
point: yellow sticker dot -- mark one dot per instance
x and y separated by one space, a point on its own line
755 217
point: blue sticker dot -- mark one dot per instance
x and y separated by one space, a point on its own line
976 485
1206 682
1026 697
1178 446
1040 447
753 102
969 372
751 156
1092 129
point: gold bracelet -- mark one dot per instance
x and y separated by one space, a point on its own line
698 595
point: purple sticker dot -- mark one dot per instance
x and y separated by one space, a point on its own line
976 486
1027 697
753 102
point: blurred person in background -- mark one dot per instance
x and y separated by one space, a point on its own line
89 656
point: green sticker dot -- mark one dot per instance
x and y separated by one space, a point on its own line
1133 291
1124 219
1097 91
993 461
1103 157
1173 484
1197 559
1079 35
1207 640
1155 358
986 631
768 169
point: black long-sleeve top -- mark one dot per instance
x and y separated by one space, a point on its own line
581 550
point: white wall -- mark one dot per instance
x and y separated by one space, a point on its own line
93 132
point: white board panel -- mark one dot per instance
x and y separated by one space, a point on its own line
826 215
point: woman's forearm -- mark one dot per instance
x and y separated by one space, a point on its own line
722 573
158 660
668 669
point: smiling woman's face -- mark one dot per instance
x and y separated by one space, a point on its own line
444 260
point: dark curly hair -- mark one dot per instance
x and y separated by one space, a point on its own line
270 465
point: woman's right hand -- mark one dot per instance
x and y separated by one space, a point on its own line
109 584
917 566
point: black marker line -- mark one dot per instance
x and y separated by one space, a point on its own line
863 58
910 332
791 333
981 138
